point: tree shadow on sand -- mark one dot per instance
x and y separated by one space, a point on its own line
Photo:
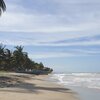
14 84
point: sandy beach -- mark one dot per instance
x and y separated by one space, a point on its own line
15 86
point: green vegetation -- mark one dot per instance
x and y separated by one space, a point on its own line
18 61
2 6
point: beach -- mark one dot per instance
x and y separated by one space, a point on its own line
17 86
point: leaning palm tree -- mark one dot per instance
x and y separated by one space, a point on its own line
2 6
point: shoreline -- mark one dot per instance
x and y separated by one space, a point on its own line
87 93
27 87
86 85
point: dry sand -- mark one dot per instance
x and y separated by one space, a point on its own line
14 86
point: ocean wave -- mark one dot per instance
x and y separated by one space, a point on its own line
89 80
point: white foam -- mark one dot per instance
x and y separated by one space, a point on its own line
90 80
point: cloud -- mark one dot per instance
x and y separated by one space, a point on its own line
69 16
80 39
42 39
49 55
52 23
73 53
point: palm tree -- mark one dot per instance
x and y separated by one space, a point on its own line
2 6
8 59
19 57
2 57
2 48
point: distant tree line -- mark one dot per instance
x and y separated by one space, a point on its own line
19 61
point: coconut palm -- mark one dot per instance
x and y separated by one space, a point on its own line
19 57
2 6
2 57
8 59
2 48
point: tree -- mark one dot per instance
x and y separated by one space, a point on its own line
41 66
18 57
2 6
18 61
2 57
8 59
2 48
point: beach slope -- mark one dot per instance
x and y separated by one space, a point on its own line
15 86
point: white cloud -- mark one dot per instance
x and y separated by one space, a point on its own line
38 42
75 52
50 55
70 19
86 43
42 23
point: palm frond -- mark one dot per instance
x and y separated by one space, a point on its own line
2 6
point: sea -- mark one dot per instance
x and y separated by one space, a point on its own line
86 85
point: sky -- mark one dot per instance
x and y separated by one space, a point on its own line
63 34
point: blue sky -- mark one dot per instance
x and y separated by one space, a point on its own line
63 34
